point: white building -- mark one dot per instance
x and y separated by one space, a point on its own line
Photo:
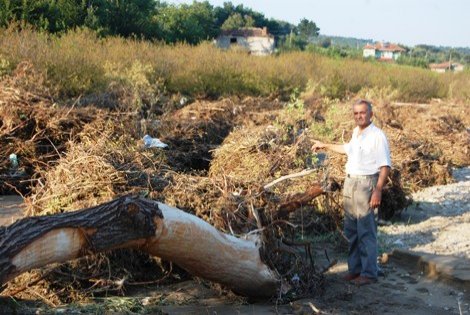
255 40
383 51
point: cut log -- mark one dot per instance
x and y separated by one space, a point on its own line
132 222
202 250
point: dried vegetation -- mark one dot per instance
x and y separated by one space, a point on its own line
221 155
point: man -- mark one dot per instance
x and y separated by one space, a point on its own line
367 168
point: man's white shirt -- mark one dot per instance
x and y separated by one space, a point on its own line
367 152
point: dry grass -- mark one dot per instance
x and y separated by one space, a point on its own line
79 63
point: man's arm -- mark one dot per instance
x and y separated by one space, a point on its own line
376 197
338 148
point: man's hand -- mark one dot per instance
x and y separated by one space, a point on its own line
317 145
376 198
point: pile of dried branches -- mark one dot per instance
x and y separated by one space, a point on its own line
246 161
101 163
193 131
221 155
104 160
32 125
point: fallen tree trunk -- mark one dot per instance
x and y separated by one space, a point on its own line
132 222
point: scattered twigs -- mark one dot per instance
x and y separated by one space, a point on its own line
29 284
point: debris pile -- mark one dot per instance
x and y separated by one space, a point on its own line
220 157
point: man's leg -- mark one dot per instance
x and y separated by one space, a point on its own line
354 257
366 229
367 239
350 228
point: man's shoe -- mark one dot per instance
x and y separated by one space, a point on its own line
361 280
351 276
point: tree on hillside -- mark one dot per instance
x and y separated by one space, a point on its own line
252 18
228 10
307 29
110 17
325 43
190 23
151 19
125 18
51 16
300 36
236 20
279 28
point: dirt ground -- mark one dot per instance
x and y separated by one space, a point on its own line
398 292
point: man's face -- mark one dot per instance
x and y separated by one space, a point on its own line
362 115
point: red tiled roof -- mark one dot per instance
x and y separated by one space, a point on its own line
444 65
384 47
247 32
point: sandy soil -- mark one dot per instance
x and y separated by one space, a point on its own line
398 292
438 221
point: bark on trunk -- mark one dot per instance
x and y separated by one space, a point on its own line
131 222
298 200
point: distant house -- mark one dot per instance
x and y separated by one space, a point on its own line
446 67
256 40
383 51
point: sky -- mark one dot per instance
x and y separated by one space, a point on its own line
408 22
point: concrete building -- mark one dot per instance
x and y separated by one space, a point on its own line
383 51
446 67
256 41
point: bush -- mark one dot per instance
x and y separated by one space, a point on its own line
78 63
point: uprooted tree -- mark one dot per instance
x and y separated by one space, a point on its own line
245 265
